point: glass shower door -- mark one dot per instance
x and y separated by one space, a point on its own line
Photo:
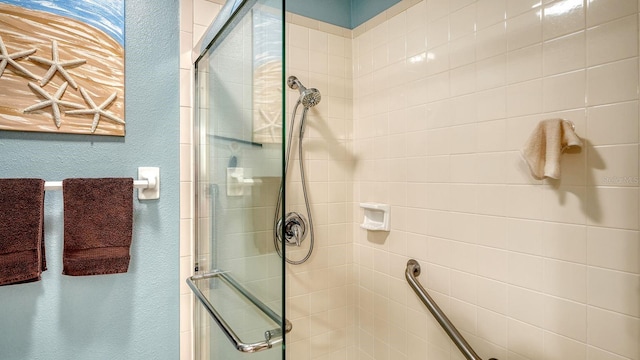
239 278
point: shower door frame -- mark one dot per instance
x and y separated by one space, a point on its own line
245 9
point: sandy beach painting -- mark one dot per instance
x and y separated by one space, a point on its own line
62 66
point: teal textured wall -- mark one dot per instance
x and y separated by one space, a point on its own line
124 316
345 13
363 10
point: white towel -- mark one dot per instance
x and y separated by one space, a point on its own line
545 145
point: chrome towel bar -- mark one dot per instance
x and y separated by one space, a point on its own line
412 271
272 336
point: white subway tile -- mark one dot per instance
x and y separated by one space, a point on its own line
463 139
564 204
186 127
525 201
557 347
438 59
464 257
613 249
298 36
614 165
490 12
613 207
438 141
463 169
600 11
524 64
463 286
435 9
438 87
492 294
464 315
615 40
186 236
519 129
438 168
595 353
464 198
565 91
613 332
437 197
614 290
463 81
438 114
526 271
204 12
439 280
466 233
527 306
516 7
492 326
492 199
525 29
186 341
525 236
613 82
458 4
564 242
463 110
524 98
439 223
566 280
563 17
493 168
613 124
491 41
491 72
462 51
493 263
491 104
186 16
298 58
437 32
525 341
566 318
492 136
416 41
564 54
462 22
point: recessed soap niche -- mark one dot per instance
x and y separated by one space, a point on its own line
376 216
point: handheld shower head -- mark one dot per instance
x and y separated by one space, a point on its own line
308 97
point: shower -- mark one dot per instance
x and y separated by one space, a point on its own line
296 226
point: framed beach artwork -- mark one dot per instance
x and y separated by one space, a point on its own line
62 66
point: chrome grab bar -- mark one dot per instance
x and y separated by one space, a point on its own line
272 337
413 270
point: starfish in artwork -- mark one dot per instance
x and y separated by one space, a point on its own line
271 124
51 100
9 59
96 111
57 66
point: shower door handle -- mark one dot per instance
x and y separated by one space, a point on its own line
272 336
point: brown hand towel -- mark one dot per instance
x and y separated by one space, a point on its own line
21 230
98 223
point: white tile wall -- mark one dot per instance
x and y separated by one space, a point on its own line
528 269
426 109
